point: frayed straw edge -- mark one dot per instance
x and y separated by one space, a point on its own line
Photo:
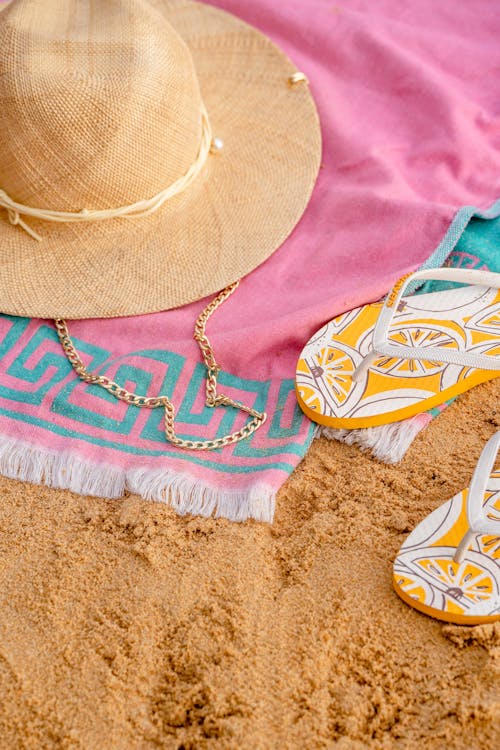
388 443
185 494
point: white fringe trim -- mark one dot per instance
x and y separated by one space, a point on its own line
389 442
188 495
20 460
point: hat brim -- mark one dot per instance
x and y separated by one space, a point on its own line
240 209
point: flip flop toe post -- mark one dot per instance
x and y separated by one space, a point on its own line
449 566
389 361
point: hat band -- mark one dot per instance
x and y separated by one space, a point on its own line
134 210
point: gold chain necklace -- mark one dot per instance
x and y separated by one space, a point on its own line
212 397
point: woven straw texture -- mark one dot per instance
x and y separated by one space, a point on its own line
100 106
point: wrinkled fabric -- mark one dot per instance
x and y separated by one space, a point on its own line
408 99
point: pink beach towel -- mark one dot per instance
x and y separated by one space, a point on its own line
408 97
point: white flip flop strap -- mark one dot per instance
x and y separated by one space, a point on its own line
477 519
439 354
479 523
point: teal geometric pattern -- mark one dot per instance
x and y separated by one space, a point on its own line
39 388
478 247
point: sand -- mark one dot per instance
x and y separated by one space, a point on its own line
125 626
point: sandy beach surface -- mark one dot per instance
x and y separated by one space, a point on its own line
126 627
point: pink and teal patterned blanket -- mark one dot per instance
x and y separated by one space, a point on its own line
408 107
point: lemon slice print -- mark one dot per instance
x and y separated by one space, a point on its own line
416 335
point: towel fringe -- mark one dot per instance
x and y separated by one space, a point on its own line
185 494
20 460
188 495
388 443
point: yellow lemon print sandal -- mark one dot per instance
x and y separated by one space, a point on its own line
449 567
391 360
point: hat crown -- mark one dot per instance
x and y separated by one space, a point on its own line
99 103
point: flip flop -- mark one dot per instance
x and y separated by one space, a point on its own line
449 566
391 360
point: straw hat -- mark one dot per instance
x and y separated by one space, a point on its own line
151 153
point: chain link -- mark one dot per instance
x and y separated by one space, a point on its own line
213 399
